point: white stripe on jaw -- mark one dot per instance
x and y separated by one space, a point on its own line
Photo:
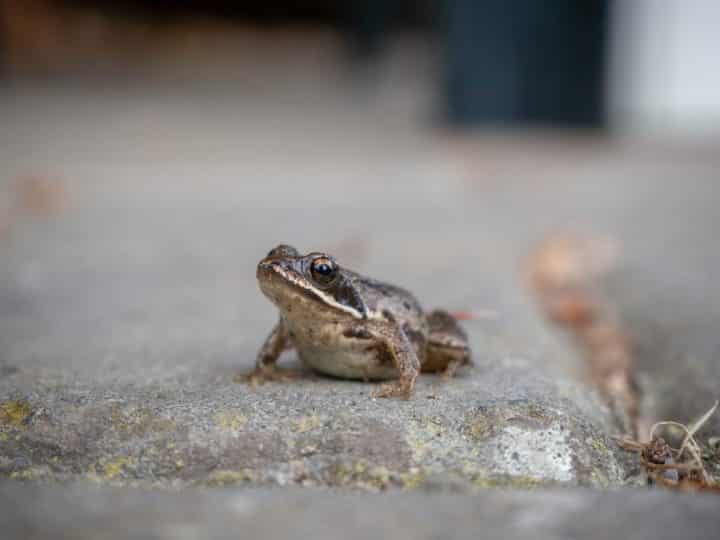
303 284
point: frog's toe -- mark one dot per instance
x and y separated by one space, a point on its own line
451 368
393 390
266 374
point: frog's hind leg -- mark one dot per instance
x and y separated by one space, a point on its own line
448 347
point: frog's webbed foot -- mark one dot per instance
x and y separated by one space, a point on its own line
400 389
264 374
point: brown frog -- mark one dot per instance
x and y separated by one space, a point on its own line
350 326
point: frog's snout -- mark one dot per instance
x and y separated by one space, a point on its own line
268 264
273 269
267 267
267 276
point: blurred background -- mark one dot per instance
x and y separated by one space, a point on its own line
151 152
639 63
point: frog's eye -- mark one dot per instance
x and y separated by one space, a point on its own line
323 270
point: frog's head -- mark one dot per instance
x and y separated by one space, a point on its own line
311 285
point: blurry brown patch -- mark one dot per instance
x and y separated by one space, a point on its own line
30 195
475 314
39 195
563 274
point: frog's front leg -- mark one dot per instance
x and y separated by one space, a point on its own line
277 342
266 364
406 361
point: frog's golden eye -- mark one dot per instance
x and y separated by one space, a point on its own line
323 270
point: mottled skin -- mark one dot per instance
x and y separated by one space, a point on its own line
350 326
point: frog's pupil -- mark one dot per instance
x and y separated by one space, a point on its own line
323 270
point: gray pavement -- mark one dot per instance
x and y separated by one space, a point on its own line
82 513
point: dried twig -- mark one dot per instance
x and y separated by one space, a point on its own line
657 456
700 422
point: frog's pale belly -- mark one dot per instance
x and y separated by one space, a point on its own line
350 363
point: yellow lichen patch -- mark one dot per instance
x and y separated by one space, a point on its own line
479 428
599 479
305 423
115 467
433 425
225 477
418 445
508 481
345 473
14 413
364 475
599 446
379 477
137 422
31 473
230 421
413 478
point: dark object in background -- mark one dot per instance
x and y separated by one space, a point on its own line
526 62
519 62
368 24
259 11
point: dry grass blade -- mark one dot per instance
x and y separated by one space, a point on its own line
700 422
689 443
657 457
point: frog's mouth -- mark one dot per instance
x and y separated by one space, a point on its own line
281 282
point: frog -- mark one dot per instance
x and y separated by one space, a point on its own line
350 326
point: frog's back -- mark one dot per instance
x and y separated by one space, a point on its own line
395 304
387 300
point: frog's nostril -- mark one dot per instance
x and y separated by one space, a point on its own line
268 265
